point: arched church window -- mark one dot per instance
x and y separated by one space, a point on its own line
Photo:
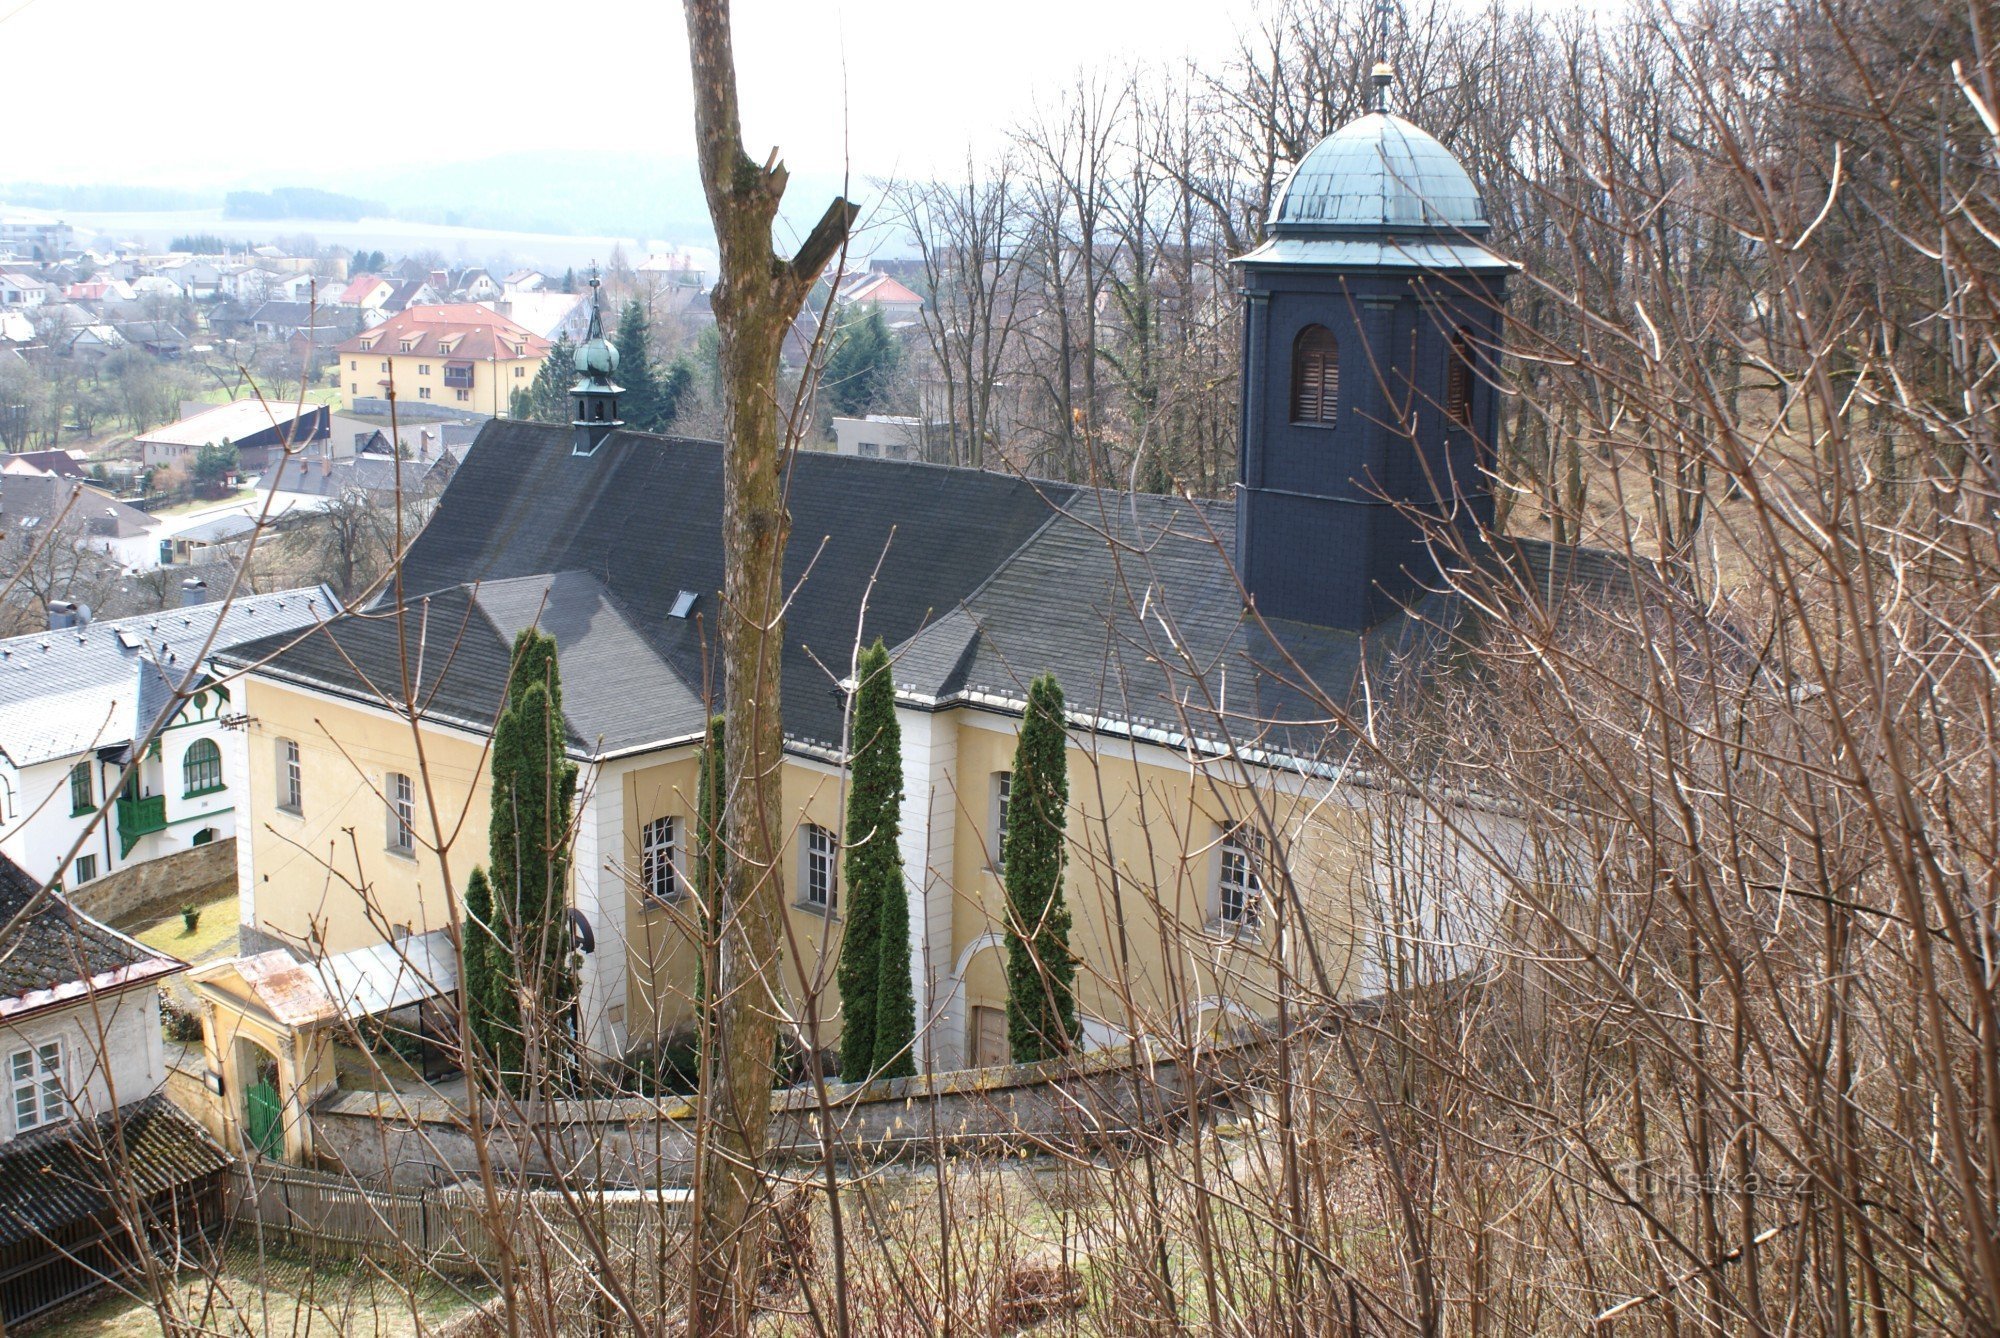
1458 380
1315 375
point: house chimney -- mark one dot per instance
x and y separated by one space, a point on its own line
65 613
194 591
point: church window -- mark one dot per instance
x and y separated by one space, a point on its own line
1458 380
1315 375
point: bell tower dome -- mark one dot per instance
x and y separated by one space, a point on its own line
594 397
1372 318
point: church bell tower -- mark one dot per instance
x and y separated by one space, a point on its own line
594 397
1372 319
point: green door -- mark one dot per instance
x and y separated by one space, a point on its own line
264 1118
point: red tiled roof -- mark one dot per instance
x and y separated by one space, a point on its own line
458 330
359 287
878 288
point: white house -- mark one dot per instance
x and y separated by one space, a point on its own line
76 698
22 290
84 1063
886 436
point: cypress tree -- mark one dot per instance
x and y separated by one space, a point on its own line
476 987
861 365
878 1009
534 786
1041 973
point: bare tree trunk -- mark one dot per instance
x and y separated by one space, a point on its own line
757 294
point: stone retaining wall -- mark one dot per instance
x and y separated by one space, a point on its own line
172 880
384 1138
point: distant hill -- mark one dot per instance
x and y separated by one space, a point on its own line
590 191
105 198
297 202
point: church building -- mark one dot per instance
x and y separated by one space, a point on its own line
1197 642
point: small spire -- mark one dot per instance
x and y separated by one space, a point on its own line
596 312
1383 74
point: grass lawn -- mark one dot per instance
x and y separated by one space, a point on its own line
314 395
283 1294
161 927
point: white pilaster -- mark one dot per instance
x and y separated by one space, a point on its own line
600 894
930 760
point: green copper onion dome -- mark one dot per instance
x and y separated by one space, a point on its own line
596 360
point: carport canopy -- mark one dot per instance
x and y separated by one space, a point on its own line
384 977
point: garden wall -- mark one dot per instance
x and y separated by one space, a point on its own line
389 1139
171 880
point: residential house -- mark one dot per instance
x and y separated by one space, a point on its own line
897 302
198 276
157 286
475 285
379 478
100 289
366 293
525 281
87 1126
162 339
29 235
95 340
126 711
256 428
282 319
34 502
54 462
890 437
553 316
22 290
418 292
459 355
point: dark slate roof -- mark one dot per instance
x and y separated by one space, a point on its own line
57 946
55 1177
1132 602
642 518
64 692
985 581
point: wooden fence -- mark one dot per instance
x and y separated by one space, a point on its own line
451 1228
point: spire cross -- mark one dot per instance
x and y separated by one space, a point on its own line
1383 74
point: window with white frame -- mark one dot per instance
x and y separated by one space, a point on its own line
291 778
1239 900
820 873
659 853
401 793
1003 783
36 1077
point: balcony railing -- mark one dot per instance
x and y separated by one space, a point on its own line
137 817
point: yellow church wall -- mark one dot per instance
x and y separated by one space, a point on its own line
315 883
660 949
1145 831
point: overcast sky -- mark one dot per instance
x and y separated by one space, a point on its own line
210 92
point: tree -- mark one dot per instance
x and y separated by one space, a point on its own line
653 393
861 367
756 295
534 784
878 1007
547 396
213 465
482 963
1041 972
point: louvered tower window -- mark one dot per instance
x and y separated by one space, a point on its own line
1315 375
1458 381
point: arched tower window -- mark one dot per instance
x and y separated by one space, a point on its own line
1315 375
1458 380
